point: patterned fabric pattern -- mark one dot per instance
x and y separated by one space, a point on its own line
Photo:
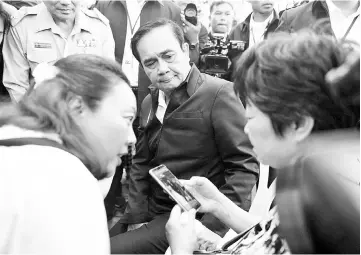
263 239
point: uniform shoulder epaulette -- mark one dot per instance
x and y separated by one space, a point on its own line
94 13
23 12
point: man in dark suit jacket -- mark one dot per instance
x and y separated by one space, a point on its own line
117 13
192 123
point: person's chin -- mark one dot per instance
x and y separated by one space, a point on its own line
111 167
222 29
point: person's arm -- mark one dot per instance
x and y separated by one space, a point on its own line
16 66
233 216
241 168
195 36
214 202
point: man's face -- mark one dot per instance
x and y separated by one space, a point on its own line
165 62
262 6
62 10
222 18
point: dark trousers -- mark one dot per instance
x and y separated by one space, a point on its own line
149 238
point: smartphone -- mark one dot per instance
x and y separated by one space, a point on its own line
174 188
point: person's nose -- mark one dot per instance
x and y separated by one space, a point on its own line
246 129
223 17
163 67
132 140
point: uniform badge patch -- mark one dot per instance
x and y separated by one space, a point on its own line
86 43
42 45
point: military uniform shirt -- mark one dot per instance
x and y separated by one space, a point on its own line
35 38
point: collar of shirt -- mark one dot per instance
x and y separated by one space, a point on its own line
11 131
161 100
162 104
334 11
341 23
264 23
45 21
258 29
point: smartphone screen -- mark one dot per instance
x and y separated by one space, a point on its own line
174 188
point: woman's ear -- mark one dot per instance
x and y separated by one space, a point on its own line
75 105
303 128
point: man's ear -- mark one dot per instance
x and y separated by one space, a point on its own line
75 105
185 48
303 128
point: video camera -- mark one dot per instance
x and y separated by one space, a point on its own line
216 54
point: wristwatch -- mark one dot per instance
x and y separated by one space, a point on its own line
193 46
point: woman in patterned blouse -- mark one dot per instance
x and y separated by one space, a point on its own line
282 80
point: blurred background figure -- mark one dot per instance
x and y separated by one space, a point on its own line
221 17
342 18
22 3
195 35
262 21
47 32
6 11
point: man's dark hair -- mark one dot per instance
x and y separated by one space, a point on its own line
146 28
284 77
217 3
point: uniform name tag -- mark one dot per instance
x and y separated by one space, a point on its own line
42 45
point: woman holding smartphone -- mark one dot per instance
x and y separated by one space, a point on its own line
289 101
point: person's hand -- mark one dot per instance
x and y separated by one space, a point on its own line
205 192
181 231
191 31
206 239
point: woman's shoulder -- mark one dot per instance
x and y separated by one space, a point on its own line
33 159
46 187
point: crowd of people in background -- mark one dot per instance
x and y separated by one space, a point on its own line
258 118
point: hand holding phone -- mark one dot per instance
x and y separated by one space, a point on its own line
174 188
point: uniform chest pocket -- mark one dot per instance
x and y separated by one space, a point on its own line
36 56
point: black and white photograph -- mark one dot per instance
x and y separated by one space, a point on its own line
180 127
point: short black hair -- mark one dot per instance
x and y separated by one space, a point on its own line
284 77
217 3
149 26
